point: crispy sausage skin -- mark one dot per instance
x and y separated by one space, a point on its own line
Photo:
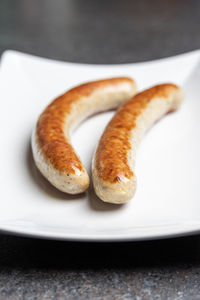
52 151
114 160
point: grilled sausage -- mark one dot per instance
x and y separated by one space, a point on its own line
114 161
52 150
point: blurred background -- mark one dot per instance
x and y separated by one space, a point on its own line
108 32
89 31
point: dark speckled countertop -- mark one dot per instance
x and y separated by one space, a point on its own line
103 31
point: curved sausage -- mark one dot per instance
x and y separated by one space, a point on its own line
114 161
52 150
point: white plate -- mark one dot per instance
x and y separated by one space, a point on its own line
167 202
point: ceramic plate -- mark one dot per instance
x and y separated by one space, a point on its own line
167 201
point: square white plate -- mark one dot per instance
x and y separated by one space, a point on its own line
167 202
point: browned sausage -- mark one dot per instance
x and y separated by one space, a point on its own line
52 150
114 161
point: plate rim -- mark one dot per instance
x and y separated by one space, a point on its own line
93 238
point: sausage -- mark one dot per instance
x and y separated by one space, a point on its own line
52 151
114 160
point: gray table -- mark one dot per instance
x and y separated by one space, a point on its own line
100 32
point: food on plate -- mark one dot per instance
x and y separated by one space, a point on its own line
114 160
52 150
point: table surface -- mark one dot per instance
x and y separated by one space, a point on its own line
100 32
